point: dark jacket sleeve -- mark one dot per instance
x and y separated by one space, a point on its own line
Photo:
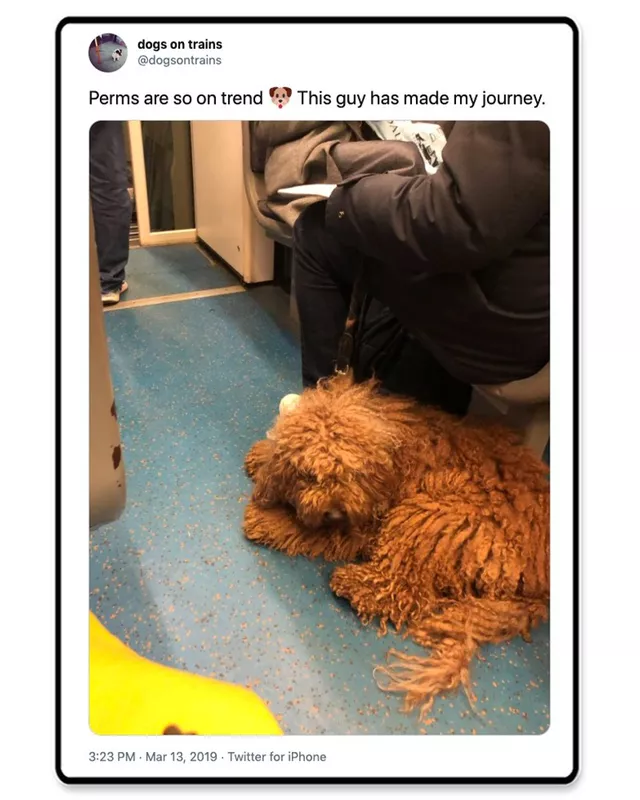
491 189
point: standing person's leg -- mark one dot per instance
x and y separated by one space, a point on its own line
109 189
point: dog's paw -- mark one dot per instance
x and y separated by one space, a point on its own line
278 529
357 584
273 527
255 525
257 457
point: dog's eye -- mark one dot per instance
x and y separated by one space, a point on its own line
309 477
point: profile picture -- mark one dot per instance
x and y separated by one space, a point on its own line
107 52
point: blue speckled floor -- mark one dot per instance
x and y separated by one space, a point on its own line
158 271
196 383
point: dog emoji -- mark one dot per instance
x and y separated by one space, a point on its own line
280 95
117 54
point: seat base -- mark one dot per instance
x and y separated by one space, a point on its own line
532 420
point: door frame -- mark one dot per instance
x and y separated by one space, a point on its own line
146 236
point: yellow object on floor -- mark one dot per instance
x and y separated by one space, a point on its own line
132 696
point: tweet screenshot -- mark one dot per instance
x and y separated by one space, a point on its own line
312 302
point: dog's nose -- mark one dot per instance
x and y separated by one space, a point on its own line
334 516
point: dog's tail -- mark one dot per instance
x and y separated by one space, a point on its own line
454 636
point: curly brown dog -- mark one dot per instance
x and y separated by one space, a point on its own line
445 523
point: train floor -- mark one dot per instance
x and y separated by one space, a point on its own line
197 381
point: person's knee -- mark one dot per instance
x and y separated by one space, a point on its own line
309 228
316 251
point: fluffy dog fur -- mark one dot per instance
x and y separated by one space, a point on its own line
444 524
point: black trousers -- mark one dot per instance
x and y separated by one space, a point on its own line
111 204
324 275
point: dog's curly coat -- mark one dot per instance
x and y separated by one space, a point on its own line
446 523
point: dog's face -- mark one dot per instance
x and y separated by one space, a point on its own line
335 458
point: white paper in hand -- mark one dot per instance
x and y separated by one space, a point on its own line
311 189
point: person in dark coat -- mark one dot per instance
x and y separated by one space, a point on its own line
456 265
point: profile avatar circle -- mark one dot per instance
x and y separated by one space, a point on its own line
107 52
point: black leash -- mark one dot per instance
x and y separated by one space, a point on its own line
351 339
348 345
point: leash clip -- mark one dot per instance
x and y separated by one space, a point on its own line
345 354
